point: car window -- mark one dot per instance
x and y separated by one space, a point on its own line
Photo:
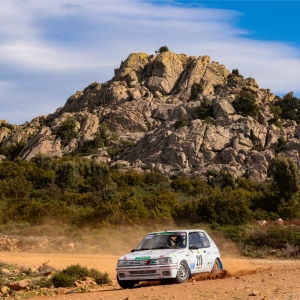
204 239
194 240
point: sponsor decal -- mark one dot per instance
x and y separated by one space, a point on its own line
149 236
142 257
192 265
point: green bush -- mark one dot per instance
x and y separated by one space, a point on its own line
162 49
290 107
100 278
245 104
76 271
12 152
276 111
236 72
67 130
63 280
68 276
197 88
281 142
204 110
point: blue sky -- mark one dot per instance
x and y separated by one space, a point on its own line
51 49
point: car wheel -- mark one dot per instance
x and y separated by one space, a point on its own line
126 284
183 273
216 267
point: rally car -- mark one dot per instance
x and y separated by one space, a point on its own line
175 254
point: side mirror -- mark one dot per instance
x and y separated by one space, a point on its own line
132 250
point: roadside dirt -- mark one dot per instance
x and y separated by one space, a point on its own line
246 279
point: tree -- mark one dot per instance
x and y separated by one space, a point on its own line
162 49
290 107
245 104
286 178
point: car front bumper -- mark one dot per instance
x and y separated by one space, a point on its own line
146 273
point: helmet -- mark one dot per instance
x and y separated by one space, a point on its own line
180 241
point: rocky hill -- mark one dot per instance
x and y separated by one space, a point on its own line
169 112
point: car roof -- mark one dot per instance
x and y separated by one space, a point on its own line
177 231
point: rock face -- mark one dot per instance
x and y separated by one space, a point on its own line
150 114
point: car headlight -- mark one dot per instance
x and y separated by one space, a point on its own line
165 260
122 263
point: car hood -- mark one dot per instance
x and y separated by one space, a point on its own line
153 254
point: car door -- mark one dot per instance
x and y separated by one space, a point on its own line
195 255
206 252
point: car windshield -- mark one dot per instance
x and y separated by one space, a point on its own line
163 240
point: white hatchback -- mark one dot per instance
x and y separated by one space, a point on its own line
175 254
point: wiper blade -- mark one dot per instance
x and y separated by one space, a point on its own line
142 249
164 247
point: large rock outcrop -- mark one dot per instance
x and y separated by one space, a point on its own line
149 111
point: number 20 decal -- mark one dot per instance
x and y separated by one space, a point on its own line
199 260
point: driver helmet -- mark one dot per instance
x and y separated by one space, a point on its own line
180 241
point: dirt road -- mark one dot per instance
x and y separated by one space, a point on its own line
249 279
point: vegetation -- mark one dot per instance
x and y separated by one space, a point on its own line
67 130
162 49
181 122
11 152
196 89
81 192
290 107
245 104
236 72
68 276
47 286
76 192
204 110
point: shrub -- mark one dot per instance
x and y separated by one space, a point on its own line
286 178
12 152
245 104
258 147
62 280
76 271
276 111
204 110
7 125
281 142
290 107
162 49
236 72
196 89
67 130
100 278
183 121
68 276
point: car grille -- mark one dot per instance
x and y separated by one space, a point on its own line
135 262
146 272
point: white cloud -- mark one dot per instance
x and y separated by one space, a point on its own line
83 41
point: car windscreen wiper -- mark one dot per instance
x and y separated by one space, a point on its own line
163 247
142 249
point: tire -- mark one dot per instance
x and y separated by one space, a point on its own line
216 267
183 273
126 284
